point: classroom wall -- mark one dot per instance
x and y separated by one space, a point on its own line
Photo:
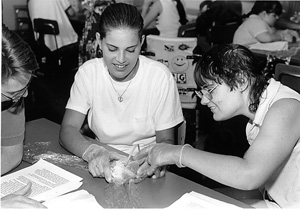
8 12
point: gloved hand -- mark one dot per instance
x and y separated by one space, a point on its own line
99 160
155 158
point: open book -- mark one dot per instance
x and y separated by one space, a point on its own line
196 201
48 181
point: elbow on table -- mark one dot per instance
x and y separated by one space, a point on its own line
10 160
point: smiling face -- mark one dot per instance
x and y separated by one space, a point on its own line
225 103
121 48
180 64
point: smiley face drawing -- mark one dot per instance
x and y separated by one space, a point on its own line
180 64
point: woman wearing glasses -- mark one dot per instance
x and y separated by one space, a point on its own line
233 83
18 66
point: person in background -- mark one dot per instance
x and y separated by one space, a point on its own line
290 19
259 26
17 69
232 82
219 14
169 16
58 10
128 99
88 47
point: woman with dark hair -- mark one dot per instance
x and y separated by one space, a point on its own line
129 100
17 69
233 83
259 26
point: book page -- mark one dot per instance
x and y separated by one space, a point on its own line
48 181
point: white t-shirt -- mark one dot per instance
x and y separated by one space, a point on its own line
249 29
150 103
54 10
168 21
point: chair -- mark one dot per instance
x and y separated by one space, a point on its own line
44 55
187 30
44 26
177 55
288 75
222 34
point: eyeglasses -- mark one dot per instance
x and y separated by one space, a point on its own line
206 92
14 101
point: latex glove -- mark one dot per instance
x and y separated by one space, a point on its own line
18 199
156 156
99 160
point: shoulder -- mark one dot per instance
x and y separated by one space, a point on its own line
155 67
91 68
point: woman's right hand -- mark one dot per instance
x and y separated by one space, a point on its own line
99 160
18 199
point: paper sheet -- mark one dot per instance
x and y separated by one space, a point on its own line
80 199
196 201
272 46
48 181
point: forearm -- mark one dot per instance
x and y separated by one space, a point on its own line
72 140
229 170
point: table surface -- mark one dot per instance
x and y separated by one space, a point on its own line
293 52
159 193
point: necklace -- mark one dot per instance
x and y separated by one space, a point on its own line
120 98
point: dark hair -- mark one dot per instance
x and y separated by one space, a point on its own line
18 60
118 16
233 64
268 6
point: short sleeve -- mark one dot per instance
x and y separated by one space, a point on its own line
169 112
79 95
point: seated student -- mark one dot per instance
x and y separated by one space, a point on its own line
18 66
233 83
259 26
169 16
88 47
127 98
55 10
290 19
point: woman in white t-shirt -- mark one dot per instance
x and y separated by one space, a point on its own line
128 99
